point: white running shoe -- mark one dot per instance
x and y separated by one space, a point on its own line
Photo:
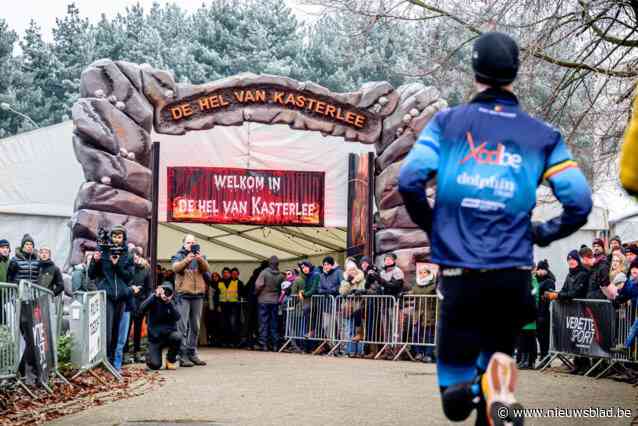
498 385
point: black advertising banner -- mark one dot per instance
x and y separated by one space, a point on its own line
583 328
38 336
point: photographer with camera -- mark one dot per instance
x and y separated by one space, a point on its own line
163 317
112 268
190 266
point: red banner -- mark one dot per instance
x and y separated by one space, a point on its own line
245 196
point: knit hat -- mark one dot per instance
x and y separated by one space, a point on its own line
616 238
118 229
329 260
365 259
4 243
633 265
26 239
543 264
573 255
495 59
633 249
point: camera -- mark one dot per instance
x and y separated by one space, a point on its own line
168 290
195 249
106 246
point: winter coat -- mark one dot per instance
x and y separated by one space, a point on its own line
310 284
598 278
373 285
575 285
248 292
4 268
393 281
80 280
536 296
546 283
329 283
628 292
114 279
142 279
355 284
23 266
297 285
50 277
268 285
189 279
162 317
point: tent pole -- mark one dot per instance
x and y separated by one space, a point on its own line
153 228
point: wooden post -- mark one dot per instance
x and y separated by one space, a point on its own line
153 228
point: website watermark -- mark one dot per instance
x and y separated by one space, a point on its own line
504 412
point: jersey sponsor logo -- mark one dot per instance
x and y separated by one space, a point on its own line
496 157
499 186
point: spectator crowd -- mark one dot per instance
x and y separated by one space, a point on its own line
251 314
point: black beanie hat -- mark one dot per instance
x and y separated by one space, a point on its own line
4 243
633 265
26 239
633 249
543 264
495 59
573 255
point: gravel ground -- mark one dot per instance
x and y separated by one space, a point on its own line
256 388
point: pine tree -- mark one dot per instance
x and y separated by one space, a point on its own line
9 122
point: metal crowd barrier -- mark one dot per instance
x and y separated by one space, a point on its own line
9 331
416 322
347 323
32 292
624 317
88 328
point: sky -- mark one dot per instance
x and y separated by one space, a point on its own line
44 12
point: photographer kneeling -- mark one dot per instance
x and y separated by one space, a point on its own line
162 327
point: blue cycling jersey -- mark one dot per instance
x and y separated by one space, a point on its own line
489 157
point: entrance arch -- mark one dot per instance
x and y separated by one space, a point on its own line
121 104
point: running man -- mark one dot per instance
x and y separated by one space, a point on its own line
488 157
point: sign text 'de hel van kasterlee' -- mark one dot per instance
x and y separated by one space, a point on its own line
261 197
275 97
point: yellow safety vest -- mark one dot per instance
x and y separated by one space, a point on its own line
230 293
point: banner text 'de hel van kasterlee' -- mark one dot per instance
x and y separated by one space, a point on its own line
285 98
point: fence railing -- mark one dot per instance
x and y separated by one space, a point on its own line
346 323
9 331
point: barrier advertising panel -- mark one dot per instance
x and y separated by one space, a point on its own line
583 328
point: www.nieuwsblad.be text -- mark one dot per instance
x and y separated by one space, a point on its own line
576 413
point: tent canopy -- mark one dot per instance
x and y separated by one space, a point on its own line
40 177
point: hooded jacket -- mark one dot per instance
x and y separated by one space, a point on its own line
354 282
310 283
189 278
114 279
268 284
50 277
393 281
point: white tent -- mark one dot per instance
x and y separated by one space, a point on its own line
40 177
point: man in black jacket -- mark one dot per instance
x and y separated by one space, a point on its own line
113 273
575 285
599 276
162 327
546 283
141 281
49 276
25 264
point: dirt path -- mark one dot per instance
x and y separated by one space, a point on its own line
254 388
